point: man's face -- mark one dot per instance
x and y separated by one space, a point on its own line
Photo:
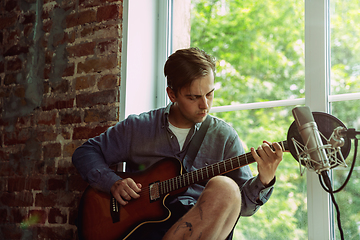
193 103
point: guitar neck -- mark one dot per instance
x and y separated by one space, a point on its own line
208 172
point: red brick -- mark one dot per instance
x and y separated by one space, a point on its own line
97 98
12 231
28 18
70 148
37 216
47 24
70 117
108 47
6 169
13 36
69 70
108 81
76 183
52 150
53 103
61 232
94 3
109 12
16 184
16 50
83 49
4 216
46 135
57 216
73 216
10 5
110 29
25 121
60 87
65 168
9 79
56 184
18 214
2 65
47 118
97 115
81 18
87 132
98 64
65 133
85 82
14 65
6 22
17 137
19 91
4 155
56 199
19 199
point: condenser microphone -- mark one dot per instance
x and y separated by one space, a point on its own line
309 133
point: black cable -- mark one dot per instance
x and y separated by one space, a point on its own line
349 174
328 184
324 178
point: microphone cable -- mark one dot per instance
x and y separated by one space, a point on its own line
349 174
324 179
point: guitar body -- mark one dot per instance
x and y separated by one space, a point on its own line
101 217
95 220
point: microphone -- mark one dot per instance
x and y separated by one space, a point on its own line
309 133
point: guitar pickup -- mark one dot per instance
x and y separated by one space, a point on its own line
154 191
114 209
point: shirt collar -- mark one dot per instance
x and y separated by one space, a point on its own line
165 120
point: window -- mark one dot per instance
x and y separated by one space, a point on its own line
273 56
260 76
293 53
345 87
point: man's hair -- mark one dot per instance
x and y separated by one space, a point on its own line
186 65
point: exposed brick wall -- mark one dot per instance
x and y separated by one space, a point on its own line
59 78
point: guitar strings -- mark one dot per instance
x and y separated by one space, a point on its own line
168 185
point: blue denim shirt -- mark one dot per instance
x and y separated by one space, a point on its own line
141 140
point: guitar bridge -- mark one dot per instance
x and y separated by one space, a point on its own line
154 191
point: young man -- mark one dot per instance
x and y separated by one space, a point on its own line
205 211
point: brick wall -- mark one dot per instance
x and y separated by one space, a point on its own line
59 76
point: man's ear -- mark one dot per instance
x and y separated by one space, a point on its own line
171 94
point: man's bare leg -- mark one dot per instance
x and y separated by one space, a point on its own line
213 216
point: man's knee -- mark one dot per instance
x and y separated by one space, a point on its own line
226 188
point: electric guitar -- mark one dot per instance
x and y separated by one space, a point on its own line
102 217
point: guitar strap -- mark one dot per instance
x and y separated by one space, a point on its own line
195 144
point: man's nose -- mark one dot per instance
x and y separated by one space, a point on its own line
204 103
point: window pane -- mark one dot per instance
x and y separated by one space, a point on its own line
285 214
348 199
259 47
345 46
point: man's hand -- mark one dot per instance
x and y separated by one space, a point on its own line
267 160
125 189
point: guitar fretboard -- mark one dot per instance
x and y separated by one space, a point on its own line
208 172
